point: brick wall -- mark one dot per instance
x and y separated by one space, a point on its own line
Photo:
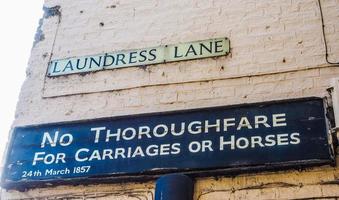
277 52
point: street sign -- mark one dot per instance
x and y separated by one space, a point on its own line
140 57
285 133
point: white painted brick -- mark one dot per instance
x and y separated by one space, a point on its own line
253 17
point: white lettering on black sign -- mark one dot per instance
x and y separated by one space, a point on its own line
221 137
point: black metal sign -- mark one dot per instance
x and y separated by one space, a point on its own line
289 133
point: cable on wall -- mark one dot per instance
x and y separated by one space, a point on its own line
324 36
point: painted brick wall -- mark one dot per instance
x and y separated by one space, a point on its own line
273 45
277 52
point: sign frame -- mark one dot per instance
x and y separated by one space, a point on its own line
150 175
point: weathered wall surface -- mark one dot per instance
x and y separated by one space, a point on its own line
277 52
103 192
274 46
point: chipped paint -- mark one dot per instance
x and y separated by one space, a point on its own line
48 12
